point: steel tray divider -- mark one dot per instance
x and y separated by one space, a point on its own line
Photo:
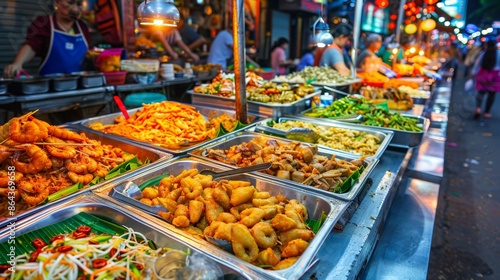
387 135
93 200
348 196
401 138
161 158
338 206
109 119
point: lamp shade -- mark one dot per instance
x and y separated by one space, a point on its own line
410 28
428 24
158 12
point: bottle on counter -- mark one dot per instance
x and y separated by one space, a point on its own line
188 70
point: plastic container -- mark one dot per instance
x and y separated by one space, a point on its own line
115 78
110 60
135 100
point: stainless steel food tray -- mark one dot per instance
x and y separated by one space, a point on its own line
402 138
246 136
142 153
205 111
357 80
274 110
384 136
315 204
111 212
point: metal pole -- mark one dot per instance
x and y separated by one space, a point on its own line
400 20
356 34
239 60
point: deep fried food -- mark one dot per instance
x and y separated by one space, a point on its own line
191 187
270 211
249 217
283 223
226 218
268 257
212 210
165 186
257 202
196 209
264 235
244 245
294 248
150 193
287 236
220 196
223 231
236 210
32 194
39 160
241 195
285 263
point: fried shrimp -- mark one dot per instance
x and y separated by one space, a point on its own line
60 151
283 223
165 186
38 160
249 217
78 178
223 231
296 217
5 153
196 209
264 234
32 194
212 210
236 210
270 211
287 236
221 197
191 187
244 245
181 216
226 218
185 174
6 192
150 193
5 178
24 131
294 248
268 257
241 195
285 263
257 202
64 133
298 207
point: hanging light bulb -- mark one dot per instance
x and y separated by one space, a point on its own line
158 13
321 35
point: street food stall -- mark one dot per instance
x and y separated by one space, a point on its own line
142 192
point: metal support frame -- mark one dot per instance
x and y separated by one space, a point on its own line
239 60
356 34
400 20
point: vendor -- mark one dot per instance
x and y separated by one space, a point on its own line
333 55
189 35
170 37
221 49
61 40
368 61
278 56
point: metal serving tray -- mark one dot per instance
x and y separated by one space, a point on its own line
142 153
357 80
205 111
316 205
384 136
111 212
273 110
402 138
246 136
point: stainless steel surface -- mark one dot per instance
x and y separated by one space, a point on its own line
239 52
246 136
401 138
114 213
142 153
294 133
384 136
7 99
399 24
237 171
64 82
28 86
404 248
316 205
130 193
160 84
205 111
78 92
262 109
90 79
345 253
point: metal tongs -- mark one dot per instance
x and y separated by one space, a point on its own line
295 133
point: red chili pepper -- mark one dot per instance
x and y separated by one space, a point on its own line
78 235
99 263
112 252
4 267
84 229
57 237
64 249
82 277
34 255
139 266
93 242
39 243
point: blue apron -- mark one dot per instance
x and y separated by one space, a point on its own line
66 52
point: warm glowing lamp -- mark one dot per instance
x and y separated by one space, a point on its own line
410 28
428 24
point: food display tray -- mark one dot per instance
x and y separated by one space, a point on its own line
273 110
104 209
357 80
34 85
316 205
402 138
90 79
384 136
205 111
246 136
142 153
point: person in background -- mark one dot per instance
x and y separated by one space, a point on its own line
487 71
333 55
170 37
61 40
367 60
221 49
278 56
386 51
189 35
307 58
